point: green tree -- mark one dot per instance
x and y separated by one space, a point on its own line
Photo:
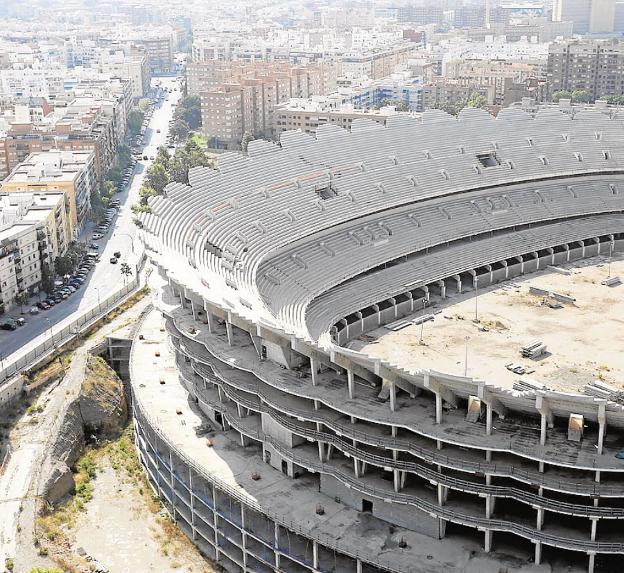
21 298
124 155
582 96
180 129
144 104
189 110
126 271
47 279
399 105
145 193
134 121
115 175
157 177
561 94
162 157
247 137
476 100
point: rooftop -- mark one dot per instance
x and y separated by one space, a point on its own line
50 167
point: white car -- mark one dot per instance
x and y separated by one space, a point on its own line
96 236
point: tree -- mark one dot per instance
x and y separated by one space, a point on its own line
189 110
115 176
476 100
162 157
22 298
144 104
135 121
47 279
398 104
124 155
180 129
157 177
247 137
561 94
582 96
126 271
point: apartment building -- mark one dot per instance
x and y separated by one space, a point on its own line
495 73
85 124
443 93
582 64
376 64
133 66
308 114
240 97
70 172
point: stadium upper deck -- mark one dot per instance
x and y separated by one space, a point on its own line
305 233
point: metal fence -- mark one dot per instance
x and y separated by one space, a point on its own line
65 331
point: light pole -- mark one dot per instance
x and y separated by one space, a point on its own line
476 285
50 329
130 237
98 295
610 253
422 320
467 338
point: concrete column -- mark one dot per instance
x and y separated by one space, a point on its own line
356 467
594 528
491 271
321 451
567 249
602 424
551 252
315 557
330 449
582 248
597 239
506 266
228 329
210 322
536 255
442 494
392 396
193 310
442 286
540 518
489 506
351 384
276 546
425 289
393 430
243 440
487 545
459 283
397 481
182 302
521 260
438 405
214 522
488 419
314 370
317 405
592 563
538 552
190 478
244 537
358 566
171 482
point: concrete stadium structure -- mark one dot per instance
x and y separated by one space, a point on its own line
274 261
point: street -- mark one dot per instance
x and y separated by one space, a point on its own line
105 277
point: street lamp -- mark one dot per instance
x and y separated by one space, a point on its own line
467 338
130 237
50 329
476 285
422 319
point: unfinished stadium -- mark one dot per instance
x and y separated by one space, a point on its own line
283 436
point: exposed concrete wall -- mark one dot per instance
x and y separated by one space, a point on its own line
10 392
404 516
283 355
276 431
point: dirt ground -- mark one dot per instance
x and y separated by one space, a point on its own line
584 339
122 535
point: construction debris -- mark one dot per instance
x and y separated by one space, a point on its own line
533 350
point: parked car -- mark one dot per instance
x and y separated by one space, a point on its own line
145 157
43 305
96 236
94 246
8 324
34 310
117 254
113 260
49 301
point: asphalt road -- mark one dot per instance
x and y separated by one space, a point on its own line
105 278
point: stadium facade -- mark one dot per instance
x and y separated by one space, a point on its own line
276 260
